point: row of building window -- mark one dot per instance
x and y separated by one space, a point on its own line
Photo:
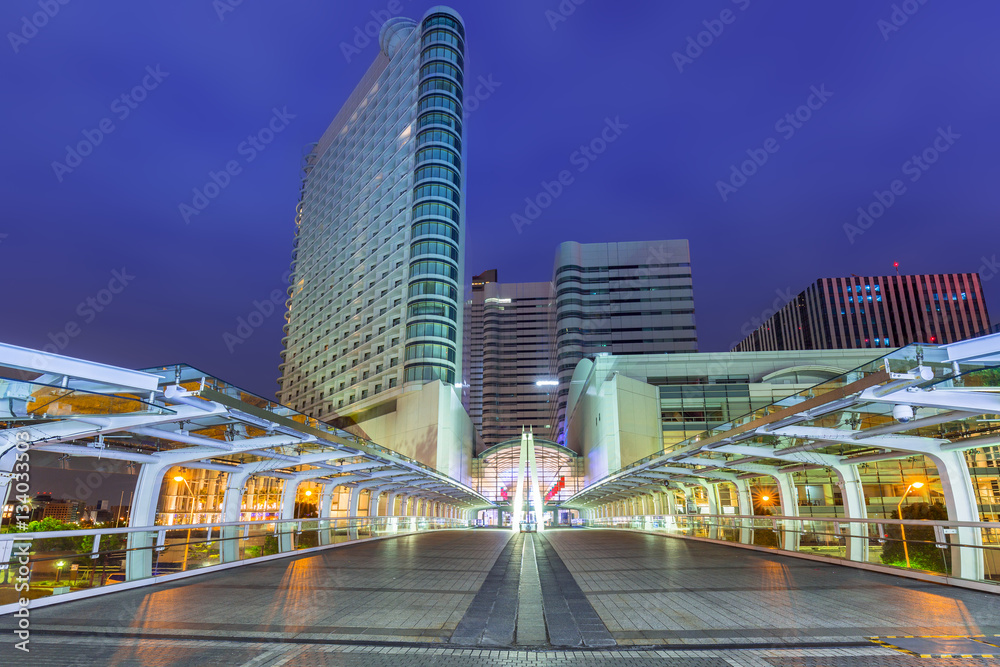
440 137
433 268
438 67
430 351
440 84
445 21
433 288
440 102
442 53
428 373
612 279
438 172
440 154
427 329
434 308
432 209
600 269
436 228
435 190
434 248
442 37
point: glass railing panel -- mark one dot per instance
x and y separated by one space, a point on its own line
30 400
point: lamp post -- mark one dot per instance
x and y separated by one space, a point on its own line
59 567
899 513
187 542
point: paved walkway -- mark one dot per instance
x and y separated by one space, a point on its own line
650 589
89 651
465 598
412 588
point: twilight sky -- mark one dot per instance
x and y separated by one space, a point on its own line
97 246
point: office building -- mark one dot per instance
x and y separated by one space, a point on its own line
374 314
623 408
68 510
509 359
619 298
875 312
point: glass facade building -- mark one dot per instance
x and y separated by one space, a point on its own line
509 358
619 298
875 312
374 302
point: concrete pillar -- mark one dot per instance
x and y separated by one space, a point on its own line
960 502
712 494
745 502
374 495
855 507
286 529
7 461
325 510
232 505
658 503
139 564
390 503
789 507
352 511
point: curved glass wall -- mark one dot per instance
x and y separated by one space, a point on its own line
434 262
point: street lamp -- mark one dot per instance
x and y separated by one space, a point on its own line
899 513
59 567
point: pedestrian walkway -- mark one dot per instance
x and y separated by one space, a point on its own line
651 589
491 597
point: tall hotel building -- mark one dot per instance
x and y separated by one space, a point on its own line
377 267
875 312
619 298
509 357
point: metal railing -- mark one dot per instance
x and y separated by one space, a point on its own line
955 552
78 563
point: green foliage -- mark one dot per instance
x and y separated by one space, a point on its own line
765 537
924 555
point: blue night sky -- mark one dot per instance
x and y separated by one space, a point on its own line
888 93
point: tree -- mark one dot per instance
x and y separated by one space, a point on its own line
924 554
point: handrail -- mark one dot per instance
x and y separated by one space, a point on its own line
41 535
779 517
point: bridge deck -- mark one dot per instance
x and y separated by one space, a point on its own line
712 604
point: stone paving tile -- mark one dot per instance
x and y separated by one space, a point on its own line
413 587
653 589
51 652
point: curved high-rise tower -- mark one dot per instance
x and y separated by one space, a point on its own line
374 307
